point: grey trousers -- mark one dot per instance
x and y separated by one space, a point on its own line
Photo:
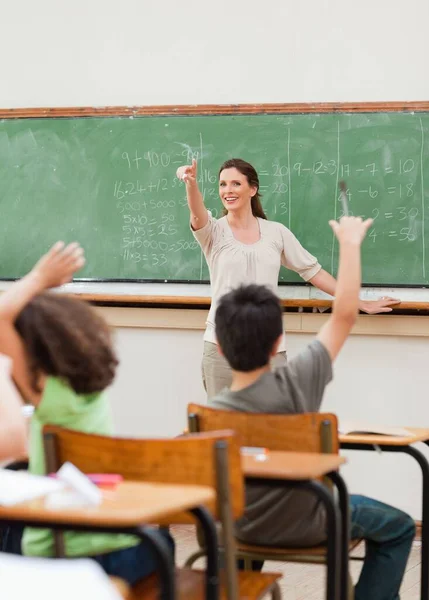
217 373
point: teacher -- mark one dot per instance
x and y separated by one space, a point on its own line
244 247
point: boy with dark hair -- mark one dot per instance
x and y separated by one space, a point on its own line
249 329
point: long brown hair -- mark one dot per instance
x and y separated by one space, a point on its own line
251 175
64 337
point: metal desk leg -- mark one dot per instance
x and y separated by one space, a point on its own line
421 459
211 544
333 545
332 521
164 561
344 504
424 465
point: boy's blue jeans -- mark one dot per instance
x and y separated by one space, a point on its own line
388 533
132 564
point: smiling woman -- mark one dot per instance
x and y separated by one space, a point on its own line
245 247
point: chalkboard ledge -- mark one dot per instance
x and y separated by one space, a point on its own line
198 296
199 302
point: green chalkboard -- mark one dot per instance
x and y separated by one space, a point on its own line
110 183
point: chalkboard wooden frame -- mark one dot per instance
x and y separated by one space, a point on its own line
215 109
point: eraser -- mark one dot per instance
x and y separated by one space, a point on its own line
105 479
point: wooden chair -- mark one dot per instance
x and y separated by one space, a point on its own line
122 587
308 432
211 459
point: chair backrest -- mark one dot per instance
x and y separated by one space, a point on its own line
192 459
308 432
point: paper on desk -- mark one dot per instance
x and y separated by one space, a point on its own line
24 577
80 484
359 427
20 486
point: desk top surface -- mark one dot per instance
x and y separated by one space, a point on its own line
417 435
130 504
290 465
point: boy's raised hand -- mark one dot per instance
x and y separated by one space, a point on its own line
350 230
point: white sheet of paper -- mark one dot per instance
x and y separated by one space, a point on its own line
24 577
73 477
20 486
360 427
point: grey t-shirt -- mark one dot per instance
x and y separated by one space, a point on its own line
282 516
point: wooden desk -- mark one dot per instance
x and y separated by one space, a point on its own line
417 435
127 509
303 469
298 466
130 504
403 444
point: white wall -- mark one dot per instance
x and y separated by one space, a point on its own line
105 52
159 374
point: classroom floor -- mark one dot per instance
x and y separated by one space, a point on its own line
304 581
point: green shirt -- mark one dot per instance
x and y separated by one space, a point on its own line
89 413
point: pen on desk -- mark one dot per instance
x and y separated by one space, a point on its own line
259 454
343 196
253 450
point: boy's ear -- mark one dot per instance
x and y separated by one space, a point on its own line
276 345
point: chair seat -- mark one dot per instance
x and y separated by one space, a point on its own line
318 553
190 585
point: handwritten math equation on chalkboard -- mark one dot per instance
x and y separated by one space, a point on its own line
148 204
403 192
147 208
